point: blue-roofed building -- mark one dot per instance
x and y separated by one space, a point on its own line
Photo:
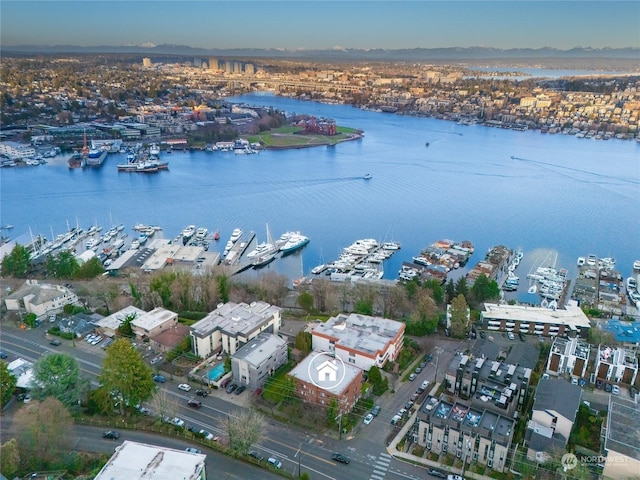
627 333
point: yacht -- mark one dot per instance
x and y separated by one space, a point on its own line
581 261
591 260
188 231
201 232
319 269
295 242
636 265
235 235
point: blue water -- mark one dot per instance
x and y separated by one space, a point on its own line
563 197
216 373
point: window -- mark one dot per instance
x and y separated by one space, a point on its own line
352 360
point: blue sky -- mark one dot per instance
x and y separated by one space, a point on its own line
319 24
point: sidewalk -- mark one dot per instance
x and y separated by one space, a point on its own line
394 452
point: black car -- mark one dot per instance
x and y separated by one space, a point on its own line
338 457
607 387
255 454
436 473
376 410
240 389
428 358
231 388
111 434
201 393
482 334
193 403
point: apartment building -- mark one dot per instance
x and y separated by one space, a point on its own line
465 432
40 299
360 340
569 320
321 378
618 365
568 356
150 324
232 325
256 361
554 411
488 384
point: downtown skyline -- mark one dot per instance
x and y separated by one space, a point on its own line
323 25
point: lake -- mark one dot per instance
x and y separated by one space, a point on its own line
555 197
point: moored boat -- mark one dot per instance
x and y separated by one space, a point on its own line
295 241
95 157
263 260
188 232
76 160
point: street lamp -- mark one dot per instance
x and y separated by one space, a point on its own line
438 351
299 454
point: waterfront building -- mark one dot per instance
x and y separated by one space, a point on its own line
232 325
256 361
360 340
568 356
570 320
465 432
16 151
554 411
134 460
321 379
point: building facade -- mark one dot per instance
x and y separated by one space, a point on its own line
618 365
568 356
232 325
360 340
40 299
256 361
153 323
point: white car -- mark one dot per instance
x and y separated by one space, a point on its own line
368 419
184 387
178 422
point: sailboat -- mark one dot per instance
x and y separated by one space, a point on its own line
265 248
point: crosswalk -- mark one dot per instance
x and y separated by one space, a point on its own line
381 466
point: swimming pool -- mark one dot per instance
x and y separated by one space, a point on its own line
216 373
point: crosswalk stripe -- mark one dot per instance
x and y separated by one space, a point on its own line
377 477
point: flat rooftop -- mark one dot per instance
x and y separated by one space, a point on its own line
154 318
260 348
235 319
139 461
308 369
622 434
360 332
571 316
114 320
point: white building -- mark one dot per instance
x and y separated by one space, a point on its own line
40 299
15 150
109 325
619 365
568 356
150 324
139 461
360 340
256 361
232 325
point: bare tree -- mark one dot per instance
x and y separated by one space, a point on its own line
245 430
321 290
165 404
43 430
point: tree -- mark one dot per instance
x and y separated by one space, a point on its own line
125 327
125 375
305 301
459 313
17 262
303 342
43 432
223 287
90 269
7 383
245 430
164 404
461 286
58 375
484 289
10 458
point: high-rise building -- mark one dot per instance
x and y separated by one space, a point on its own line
197 62
213 64
146 62
249 69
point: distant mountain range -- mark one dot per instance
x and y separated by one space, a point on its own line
338 53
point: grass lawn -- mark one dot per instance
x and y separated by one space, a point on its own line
287 137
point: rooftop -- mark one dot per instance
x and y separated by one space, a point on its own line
114 320
363 333
308 371
235 319
133 461
571 346
260 348
622 433
571 316
558 396
156 317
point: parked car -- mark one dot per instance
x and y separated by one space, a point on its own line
368 419
402 412
55 342
511 336
338 457
159 378
177 421
143 410
156 360
376 410
412 377
425 385
423 364
184 387
408 405
414 397
274 462
428 358
111 434
192 450
240 389
231 388
418 370
193 403
436 473
607 387
256 454
201 393
396 419
3 355
207 435
482 335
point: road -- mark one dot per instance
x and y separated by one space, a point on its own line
298 450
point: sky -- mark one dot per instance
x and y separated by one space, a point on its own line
323 24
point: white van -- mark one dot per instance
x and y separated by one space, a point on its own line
396 419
